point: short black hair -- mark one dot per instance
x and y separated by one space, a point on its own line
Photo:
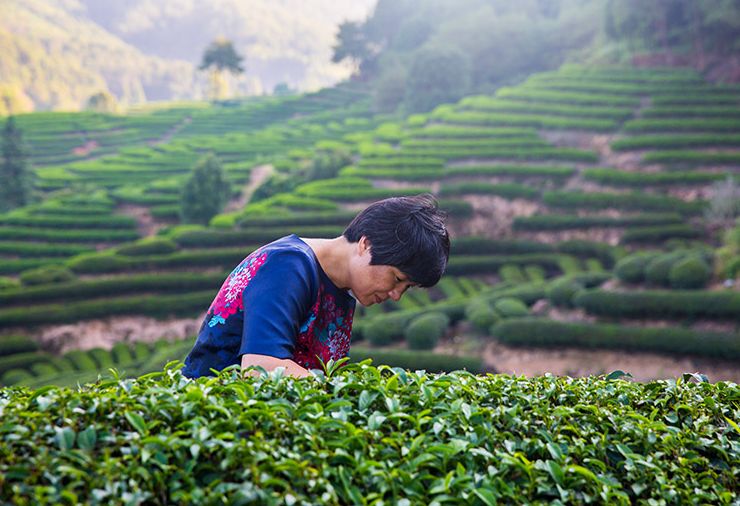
408 233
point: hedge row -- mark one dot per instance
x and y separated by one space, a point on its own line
506 190
250 236
484 103
110 263
564 97
36 249
154 306
692 158
531 120
667 141
628 201
537 332
76 222
657 234
475 264
417 360
682 111
640 179
439 131
574 222
92 289
683 125
53 235
661 304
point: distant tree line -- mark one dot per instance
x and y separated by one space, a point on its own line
420 54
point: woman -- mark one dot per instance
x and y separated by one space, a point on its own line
290 303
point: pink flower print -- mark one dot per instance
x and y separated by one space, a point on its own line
230 297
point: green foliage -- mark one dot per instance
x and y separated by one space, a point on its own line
658 269
561 291
49 274
661 304
148 246
436 76
480 313
375 426
15 175
674 340
724 203
102 101
222 55
424 332
8 283
631 269
509 307
205 191
690 273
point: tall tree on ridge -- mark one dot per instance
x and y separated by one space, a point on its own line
220 57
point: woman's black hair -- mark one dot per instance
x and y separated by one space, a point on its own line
407 233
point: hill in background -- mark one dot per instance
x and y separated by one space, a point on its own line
55 55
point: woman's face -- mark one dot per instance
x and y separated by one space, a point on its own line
373 284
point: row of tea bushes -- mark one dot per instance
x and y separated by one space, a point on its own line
672 340
575 222
657 304
673 141
681 269
486 103
691 158
396 436
617 177
635 201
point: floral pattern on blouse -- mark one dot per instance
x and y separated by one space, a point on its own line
230 299
326 333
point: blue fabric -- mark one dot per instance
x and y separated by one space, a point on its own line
270 305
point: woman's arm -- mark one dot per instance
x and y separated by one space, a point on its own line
271 363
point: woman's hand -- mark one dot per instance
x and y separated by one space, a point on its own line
270 363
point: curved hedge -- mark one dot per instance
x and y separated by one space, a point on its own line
539 332
661 304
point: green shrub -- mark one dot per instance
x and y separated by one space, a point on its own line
561 291
122 354
661 304
44 370
540 332
103 359
10 345
658 269
8 283
148 246
386 328
424 332
509 307
690 273
631 269
15 376
81 360
418 360
47 275
480 313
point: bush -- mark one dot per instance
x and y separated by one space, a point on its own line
658 269
11 345
8 283
690 273
47 275
148 246
480 313
82 360
509 307
561 291
631 269
387 328
540 332
424 331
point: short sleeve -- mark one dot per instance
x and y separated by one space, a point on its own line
276 302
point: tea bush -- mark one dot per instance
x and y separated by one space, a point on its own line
671 340
631 269
424 332
148 246
509 307
370 435
50 274
480 313
561 291
690 273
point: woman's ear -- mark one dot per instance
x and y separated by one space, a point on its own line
363 245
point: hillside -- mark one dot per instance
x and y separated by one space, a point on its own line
581 202
123 48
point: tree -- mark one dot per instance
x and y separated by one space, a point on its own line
220 57
436 76
205 192
102 102
15 178
353 46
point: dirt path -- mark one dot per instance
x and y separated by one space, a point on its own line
146 224
256 178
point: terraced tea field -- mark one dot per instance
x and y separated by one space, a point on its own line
577 201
